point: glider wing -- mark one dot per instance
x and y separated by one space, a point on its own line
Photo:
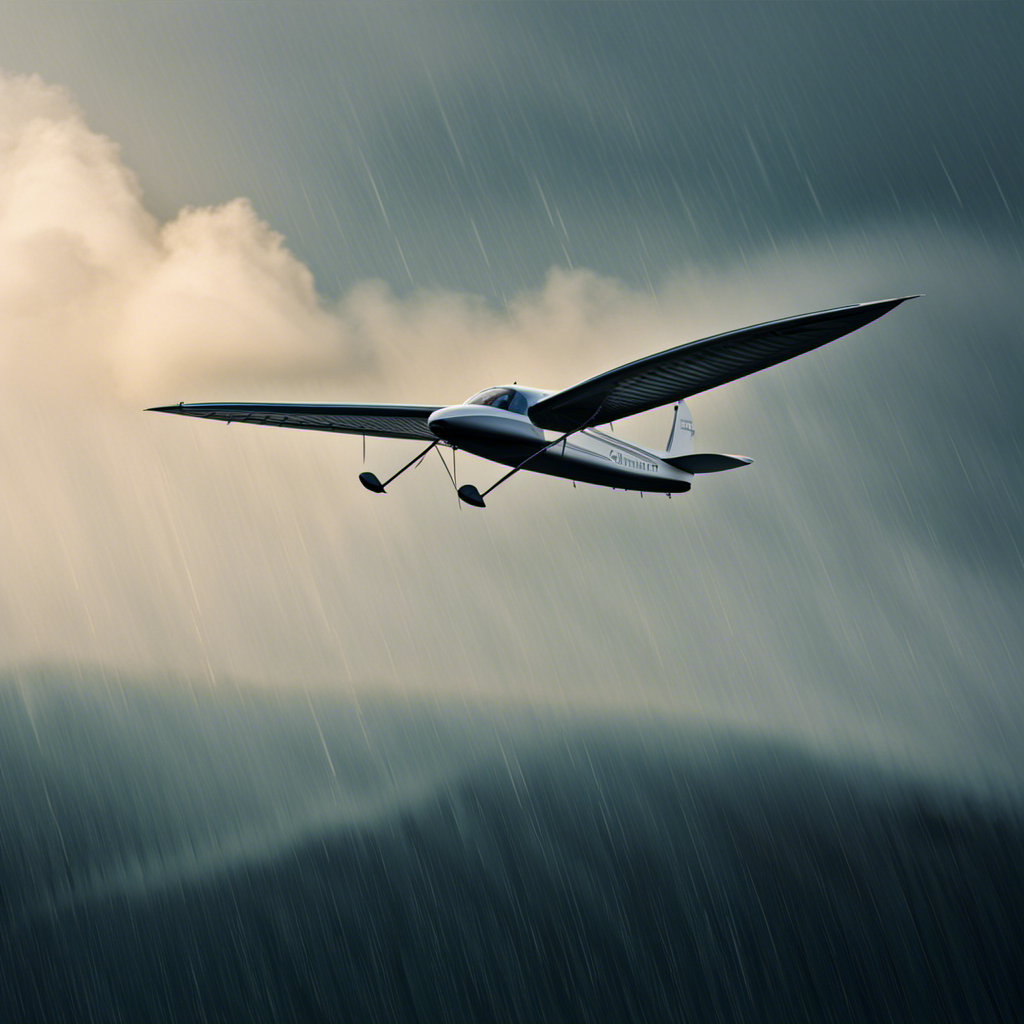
376 420
697 366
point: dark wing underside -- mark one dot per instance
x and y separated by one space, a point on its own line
376 420
697 366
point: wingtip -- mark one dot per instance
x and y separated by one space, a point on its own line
894 301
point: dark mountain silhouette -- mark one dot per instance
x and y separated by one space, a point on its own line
175 857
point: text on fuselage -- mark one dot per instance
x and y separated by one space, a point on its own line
628 462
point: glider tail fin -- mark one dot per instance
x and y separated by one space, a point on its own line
680 448
680 440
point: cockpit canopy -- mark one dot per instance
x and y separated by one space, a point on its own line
502 398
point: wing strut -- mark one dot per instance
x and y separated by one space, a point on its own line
471 496
371 483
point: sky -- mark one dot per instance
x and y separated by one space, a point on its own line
409 203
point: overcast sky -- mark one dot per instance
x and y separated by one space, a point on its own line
411 203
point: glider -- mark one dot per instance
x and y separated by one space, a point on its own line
513 425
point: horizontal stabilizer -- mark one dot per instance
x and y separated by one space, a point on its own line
708 462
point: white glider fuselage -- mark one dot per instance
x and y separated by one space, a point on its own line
589 456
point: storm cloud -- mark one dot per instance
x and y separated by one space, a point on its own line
452 222
273 747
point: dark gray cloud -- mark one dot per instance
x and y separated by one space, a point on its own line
759 122
625 138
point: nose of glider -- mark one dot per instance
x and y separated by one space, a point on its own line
449 423
438 423
464 425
